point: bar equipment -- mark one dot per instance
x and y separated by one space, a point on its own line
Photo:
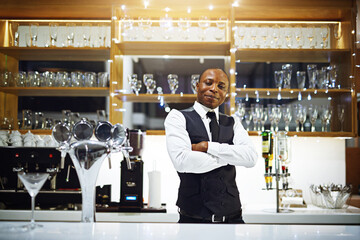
131 192
87 155
275 148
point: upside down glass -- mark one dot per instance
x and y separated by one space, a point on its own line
173 82
194 80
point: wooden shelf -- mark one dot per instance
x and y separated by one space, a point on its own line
272 93
57 53
310 134
175 48
57 91
153 98
289 55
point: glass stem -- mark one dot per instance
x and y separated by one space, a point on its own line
32 222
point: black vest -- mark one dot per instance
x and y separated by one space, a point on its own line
214 192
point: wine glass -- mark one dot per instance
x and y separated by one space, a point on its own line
34 28
337 33
135 83
287 71
240 35
248 118
86 27
264 35
53 30
166 25
204 24
253 35
324 33
240 110
311 36
70 32
173 82
298 36
326 113
277 116
276 36
313 115
102 34
149 83
264 118
184 25
220 27
288 34
271 116
145 24
312 74
15 33
194 80
341 116
287 115
33 182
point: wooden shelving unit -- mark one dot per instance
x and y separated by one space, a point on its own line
57 91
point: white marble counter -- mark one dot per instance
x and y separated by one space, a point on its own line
252 214
170 231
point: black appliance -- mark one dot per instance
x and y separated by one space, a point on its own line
131 191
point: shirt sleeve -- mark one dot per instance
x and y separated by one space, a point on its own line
242 153
179 147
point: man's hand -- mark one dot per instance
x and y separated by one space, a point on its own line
201 146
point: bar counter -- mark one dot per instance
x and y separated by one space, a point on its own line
252 214
169 231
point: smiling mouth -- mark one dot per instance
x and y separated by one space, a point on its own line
211 97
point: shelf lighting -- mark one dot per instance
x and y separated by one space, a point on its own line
309 97
189 10
120 109
286 22
123 7
211 7
146 4
235 4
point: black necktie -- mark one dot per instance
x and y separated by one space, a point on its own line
214 126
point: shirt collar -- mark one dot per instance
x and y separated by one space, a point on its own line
202 110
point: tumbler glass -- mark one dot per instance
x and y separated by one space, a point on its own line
62 79
312 74
287 71
90 79
278 76
26 119
300 77
103 79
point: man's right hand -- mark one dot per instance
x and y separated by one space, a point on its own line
201 146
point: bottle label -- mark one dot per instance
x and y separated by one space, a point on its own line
265 146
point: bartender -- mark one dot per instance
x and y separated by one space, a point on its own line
205 146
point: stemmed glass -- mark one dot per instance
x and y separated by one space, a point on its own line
15 33
220 27
70 31
324 32
149 82
53 30
264 118
33 182
145 23
34 28
276 35
264 35
184 25
300 113
288 36
135 83
313 115
277 116
166 25
248 117
287 71
173 82
204 24
341 116
240 110
271 116
86 34
298 36
287 115
102 35
194 80
311 36
312 74
253 35
240 35
337 33
255 116
326 114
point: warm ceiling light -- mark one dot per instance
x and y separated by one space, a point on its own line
189 10
167 9
211 7
123 7
235 4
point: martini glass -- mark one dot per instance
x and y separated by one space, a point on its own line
33 182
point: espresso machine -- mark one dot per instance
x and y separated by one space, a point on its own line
61 191
131 191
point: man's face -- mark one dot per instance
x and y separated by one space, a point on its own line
212 88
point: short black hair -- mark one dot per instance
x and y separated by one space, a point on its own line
216 68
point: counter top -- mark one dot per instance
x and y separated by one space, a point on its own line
252 214
174 231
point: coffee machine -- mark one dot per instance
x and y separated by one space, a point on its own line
62 191
131 191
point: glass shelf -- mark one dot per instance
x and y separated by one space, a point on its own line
57 91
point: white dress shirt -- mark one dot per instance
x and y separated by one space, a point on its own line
178 143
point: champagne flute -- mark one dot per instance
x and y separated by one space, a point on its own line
240 110
145 24
311 36
276 36
287 115
277 116
248 117
341 116
184 25
264 35
240 34
298 36
70 30
324 32
220 27
166 25
313 114
86 34
33 182
204 24
288 36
